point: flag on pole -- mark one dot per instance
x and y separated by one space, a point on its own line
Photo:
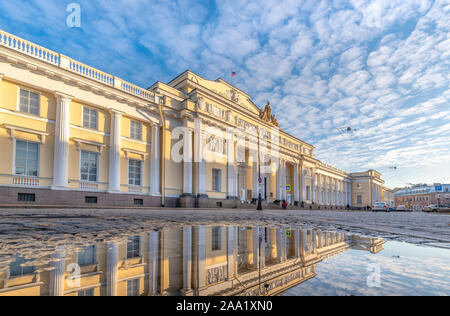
233 73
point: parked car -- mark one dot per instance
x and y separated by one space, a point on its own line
380 206
402 208
436 208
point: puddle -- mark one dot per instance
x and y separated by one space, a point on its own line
400 269
223 261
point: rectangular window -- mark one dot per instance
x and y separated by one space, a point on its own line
308 193
88 256
216 238
26 197
29 102
89 164
135 130
20 267
138 202
89 292
134 247
358 199
133 287
90 199
90 118
27 158
134 172
216 180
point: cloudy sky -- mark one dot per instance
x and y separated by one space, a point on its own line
380 67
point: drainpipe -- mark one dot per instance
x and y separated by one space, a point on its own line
163 158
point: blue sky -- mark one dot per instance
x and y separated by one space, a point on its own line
381 67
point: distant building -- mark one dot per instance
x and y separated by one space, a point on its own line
420 195
367 188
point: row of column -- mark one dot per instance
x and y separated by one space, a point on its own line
61 151
194 152
376 192
331 191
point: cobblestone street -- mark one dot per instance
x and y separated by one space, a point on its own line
32 223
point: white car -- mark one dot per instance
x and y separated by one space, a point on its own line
380 206
402 208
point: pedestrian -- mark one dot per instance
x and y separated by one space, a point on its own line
284 204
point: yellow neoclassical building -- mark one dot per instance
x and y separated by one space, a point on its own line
193 260
74 135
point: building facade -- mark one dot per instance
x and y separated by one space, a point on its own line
74 135
418 196
193 260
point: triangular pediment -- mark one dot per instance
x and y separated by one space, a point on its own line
222 88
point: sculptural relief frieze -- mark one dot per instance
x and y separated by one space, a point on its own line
214 110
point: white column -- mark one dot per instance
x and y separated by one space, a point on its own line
153 262
296 188
187 162
56 284
372 193
313 186
114 153
279 180
344 183
262 254
256 253
297 242
112 269
61 150
231 251
330 191
255 176
303 241
350 194
199 142
283 180
319 190
335 192
236 175
302 189
230 167
280 243
200 260
155 162
187 259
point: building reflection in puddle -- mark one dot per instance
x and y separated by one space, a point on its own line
193 260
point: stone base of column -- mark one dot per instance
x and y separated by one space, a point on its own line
59 187
202 200
158 194
114 191
188 200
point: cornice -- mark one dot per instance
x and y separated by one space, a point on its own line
71 78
